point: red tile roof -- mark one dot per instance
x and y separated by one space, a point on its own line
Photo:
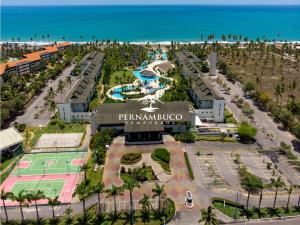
31 57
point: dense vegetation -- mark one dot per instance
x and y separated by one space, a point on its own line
145 173
98 144
187 137
246 132
18 91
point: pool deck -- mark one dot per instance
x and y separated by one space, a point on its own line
153 84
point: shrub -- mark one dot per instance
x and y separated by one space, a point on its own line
186 137
188 166
246 132
131 158
123 169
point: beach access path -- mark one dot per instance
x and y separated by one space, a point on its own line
36 105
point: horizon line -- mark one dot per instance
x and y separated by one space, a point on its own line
147 4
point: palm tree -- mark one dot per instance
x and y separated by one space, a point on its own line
53 202
60 87
114 191
4 196
85 168
21 198
145 202
99 188
51 92
158 190
208 217
129 185
261 188
52 106
35 196
81 190
68 80
278 183
289 191
252 185
68 213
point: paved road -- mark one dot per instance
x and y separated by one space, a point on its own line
37 104
290 221
261 120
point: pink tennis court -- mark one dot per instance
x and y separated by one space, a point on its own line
55 174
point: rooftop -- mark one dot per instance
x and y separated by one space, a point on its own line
9 137
123 113
202 88
92 65
32 57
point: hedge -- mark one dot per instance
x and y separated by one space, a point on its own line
131 158
189 166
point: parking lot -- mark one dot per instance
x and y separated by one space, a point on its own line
210 171
108 206
220 169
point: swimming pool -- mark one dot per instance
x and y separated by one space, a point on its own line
137 74
117 92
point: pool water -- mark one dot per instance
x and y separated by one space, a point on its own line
117 92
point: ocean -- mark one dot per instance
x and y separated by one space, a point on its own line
148 23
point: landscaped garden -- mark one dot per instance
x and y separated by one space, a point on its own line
145 173
131 158
162 156
237 211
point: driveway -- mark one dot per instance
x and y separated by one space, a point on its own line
37 103
268 135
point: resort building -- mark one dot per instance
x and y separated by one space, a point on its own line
210 106
11 142
31 62
142 124
75 106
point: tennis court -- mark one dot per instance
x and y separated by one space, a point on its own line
49 163
50 188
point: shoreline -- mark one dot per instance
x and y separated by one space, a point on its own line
166 43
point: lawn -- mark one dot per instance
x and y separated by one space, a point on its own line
162 156
253 213
56 128
213 138
121 77
6 163
228 117
94 177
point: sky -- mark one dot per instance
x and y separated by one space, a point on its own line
155 2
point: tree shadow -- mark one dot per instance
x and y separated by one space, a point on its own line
272 212
145 216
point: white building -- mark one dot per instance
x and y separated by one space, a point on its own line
210 106
75 106
10 142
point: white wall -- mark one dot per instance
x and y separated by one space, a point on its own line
219 107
